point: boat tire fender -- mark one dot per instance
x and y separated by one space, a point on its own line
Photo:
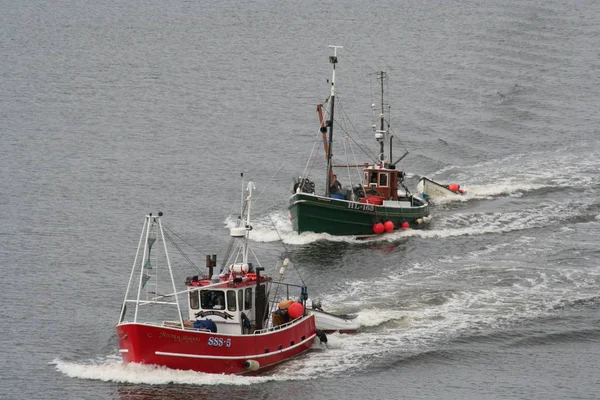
251 365
322 336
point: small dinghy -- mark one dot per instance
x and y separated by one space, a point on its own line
330 323
432 189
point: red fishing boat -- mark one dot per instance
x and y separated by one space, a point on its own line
232 324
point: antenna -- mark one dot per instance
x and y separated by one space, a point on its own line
242 202
333 58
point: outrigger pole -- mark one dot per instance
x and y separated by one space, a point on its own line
152 228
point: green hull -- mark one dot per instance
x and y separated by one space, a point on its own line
311 213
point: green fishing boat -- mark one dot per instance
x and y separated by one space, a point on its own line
379 202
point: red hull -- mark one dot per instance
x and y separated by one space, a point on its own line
213 352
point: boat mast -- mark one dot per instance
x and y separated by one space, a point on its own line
381 133
248 202
333 61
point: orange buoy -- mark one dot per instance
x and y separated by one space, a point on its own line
295 310
284 303
378 228
454 187
388 226
405 225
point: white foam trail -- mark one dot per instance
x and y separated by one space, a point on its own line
374 317
519 173
450 225
528 293
512 176
276 226
555 169
113 369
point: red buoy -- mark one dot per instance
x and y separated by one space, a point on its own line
378 228
388 226
454 187
295 310
405 225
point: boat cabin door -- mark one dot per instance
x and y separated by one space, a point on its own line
381 182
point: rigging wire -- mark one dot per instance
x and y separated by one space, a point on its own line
346 154
189 260
358 171
348 56
365 149
287 252
311 160
182 239
269 182
228 251
388 115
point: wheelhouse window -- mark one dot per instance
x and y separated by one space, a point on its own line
371 177
383 179
241 299
248 299
231 300
194 301
212 299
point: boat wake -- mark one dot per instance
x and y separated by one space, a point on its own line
317 363
415 310
277 227
476 224
450 224
403 312
525 191
519 174
112 369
